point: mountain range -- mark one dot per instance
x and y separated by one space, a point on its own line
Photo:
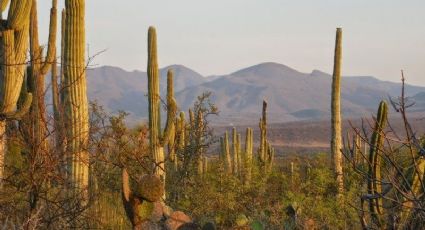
291 95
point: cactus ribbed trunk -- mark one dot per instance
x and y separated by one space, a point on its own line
199 141
247 159
263 135
235 152
158 139
336 141
226 154
13 50
154 107
75 97
374 184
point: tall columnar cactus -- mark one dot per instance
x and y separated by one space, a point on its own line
157 138
336 141
172 147
247 158
13 50
199 140
374 185
225 153
238 159
263 134
235 152
36 77
75 105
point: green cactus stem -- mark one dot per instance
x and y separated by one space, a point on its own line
157 138
235 152
374 173
13 49
75 103
225 151
336 141
247 158
263 134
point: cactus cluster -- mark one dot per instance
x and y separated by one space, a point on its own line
13 50
158 138
240 162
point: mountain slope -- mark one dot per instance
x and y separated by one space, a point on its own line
291 95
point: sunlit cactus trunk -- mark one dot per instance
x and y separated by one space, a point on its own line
199 141
235 152
13 50
374 184
75 97
158 139
336 141
225 153
247 158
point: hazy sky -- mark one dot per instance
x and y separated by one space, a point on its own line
380 37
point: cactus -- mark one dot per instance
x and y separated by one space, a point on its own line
74 94
374 173
13 49
247 158
158 139
235 152
263 134
37 71
225 153
172 147
199 141
336 141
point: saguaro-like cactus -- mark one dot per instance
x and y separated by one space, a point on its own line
374 178
336 141
75 105
225 153
13 50
157 138
36 77
235 151
247 158
263 135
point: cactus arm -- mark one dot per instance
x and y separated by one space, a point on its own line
336 141
171 109
17 115
51 50
374 172
19 11
3 5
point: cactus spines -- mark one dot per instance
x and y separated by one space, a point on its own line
263 133
74 96
374 179
336 141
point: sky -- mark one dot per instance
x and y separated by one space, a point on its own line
380 37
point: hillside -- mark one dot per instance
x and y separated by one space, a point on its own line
291 95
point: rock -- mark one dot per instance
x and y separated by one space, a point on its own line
177 219
148 225
150 188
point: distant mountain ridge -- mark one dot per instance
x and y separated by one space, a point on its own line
292 95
